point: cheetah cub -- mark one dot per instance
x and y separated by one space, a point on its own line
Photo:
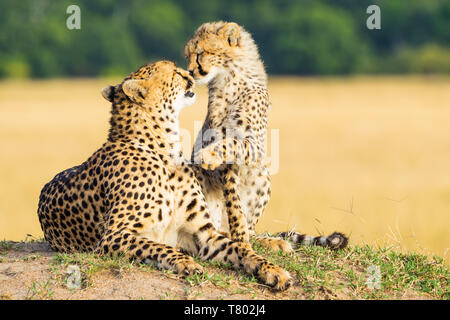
231 145
135 196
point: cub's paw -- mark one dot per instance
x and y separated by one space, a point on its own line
188 268
209 157
275 244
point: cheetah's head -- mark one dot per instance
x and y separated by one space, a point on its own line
156 86
213 47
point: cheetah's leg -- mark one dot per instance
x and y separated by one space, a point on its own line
240 254
137 247
254 210
209 244
236 218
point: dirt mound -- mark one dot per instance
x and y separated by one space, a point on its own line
31 270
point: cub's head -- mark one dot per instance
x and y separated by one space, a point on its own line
156 87
213 47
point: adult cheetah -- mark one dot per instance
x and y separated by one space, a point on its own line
135 196
231 144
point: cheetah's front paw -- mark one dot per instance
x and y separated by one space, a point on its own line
275 277
188 268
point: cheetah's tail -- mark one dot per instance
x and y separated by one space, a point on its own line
334 241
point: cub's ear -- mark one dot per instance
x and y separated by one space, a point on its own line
108 93
231 33
135 90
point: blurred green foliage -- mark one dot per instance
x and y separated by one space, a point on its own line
305 37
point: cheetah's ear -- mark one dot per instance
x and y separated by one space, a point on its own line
108 93
135 90
231 32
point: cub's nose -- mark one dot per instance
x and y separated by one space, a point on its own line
191 72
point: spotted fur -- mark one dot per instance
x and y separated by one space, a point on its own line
136 196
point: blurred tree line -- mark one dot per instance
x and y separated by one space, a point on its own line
307 37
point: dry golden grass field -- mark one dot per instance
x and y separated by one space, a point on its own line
369 156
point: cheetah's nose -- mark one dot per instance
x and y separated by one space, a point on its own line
191 72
